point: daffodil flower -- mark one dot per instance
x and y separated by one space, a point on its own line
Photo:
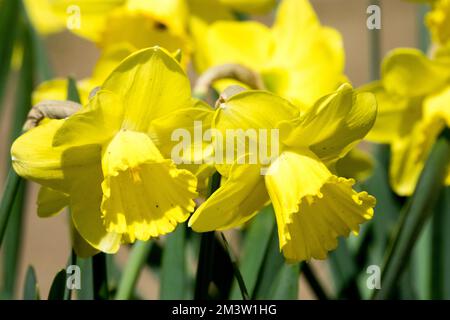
312 205
111 161
438 21
107 23
297 52
413 107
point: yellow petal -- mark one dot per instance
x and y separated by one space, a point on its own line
408 72
438 21
190 123
396 114
316 55
34 157
144 195
253 110
82 248
85 201
86 18
334 125
51 202
437 105
172 13
151 83
108 61
93 124
237 200
410 153
312 206
247 43
141 29
250 6
43 18
317 68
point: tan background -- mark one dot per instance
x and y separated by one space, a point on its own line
45 243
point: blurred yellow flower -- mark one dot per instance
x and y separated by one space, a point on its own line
312 205
110 159
438 21
140 24
297 52
413 107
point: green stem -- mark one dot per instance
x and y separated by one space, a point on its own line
417 211
130 275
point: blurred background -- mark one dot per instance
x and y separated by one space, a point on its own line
45 243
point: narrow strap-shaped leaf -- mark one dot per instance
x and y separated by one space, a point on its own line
13 183
286 283
273 263
87 282
31 288
173 271
132 270
59 285
237 273
9 20
21 107
255 245
418 209
440 252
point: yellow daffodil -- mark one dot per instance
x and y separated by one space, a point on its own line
297 52
111 161
438 21
140 24
413 99
312 205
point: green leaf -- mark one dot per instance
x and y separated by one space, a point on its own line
273 263
9 20
173 271
72 91
12 186
417 211
132 270
87 282
22 105
440 253
59 286
255 245
31 288
237 273
286 283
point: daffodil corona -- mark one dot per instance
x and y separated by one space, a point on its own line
312 205
110 163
